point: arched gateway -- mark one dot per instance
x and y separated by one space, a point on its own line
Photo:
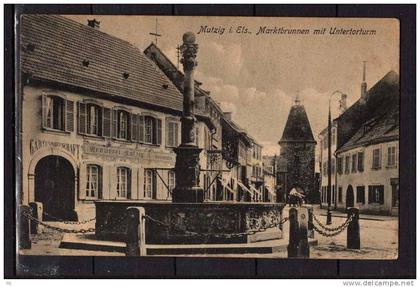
55 188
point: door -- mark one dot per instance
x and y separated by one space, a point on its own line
349 197
55 188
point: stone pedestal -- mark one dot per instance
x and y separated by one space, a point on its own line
187 170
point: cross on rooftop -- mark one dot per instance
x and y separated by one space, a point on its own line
156 34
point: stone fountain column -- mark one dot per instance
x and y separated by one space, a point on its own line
187 166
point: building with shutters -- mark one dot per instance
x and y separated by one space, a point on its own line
367 166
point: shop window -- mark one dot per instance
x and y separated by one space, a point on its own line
391 156
376 158
57 113
123 182
93 181
360 161
376 194
172 134
149 190
360 198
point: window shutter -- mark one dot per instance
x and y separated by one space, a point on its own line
158 131
154 187
134 128
371 195
83 182
82 118
106 122
69 116
100 182
381 194
129 184
44 110
176 134
167 133
380 158
363 195
141 128
114 126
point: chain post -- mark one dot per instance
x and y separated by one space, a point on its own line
136 232
36 212
311 233
24 227
298 235
353 229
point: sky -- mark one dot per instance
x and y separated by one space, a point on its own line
257 76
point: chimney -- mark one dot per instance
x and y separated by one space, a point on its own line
364 85
343 103
228 115
94 24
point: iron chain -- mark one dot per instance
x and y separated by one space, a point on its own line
59 229
331 232
228 235
68 222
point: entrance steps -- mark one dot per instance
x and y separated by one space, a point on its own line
88 242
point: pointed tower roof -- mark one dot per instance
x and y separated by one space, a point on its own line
298 128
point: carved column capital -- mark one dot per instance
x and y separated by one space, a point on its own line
189 51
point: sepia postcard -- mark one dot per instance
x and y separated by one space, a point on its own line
255 137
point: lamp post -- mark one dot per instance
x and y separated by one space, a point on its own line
329 157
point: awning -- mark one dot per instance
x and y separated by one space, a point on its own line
255 190
269 190
244 187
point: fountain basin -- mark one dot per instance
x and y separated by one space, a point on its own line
191 223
